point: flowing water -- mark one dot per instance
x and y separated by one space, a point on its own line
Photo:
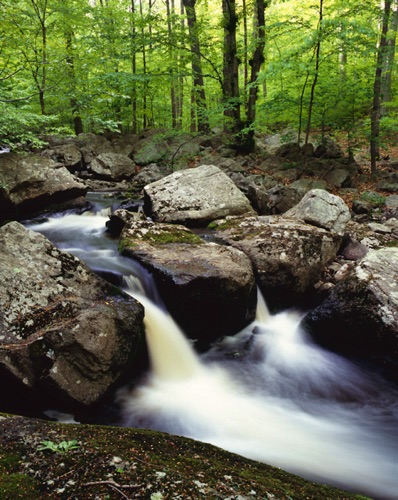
267 393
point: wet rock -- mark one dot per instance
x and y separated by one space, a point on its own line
288 256
113 166
209 289
322 209
30 184
194 197
65 333
360 317
120 218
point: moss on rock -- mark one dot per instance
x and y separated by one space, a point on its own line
111 462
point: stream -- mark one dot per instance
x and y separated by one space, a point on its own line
287 402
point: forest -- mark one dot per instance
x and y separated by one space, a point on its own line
245 66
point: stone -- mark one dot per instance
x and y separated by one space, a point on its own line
68 155
305 185
282 198
288 256
113 166
194 197
209 289
360 316
30 184
322 209
65 333
338 177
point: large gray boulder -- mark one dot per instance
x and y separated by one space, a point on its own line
65 333
194 196
288 256
209 289
69 155
321 209
112 167
29 184
360 316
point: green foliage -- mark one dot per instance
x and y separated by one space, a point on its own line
62 447
101 59
375 199
20 127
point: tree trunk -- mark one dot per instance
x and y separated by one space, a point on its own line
173 97
386 90
144 70
315 80
134 120
70 61
40 72
376 107
257 60
230 69
198 80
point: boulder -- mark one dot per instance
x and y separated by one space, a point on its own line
68 155
112 167
304 185
288 256
360 316
147 175
150 150
209 289
65 333
29 184
282 198
328 149
338 177
194 197
322 209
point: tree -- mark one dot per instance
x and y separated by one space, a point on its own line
376 106
386 90
231 94
256 60
198 91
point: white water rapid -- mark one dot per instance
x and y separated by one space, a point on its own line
267 393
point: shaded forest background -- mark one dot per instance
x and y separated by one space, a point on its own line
246 66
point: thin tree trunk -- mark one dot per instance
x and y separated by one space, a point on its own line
245 46
257 60
376 107
315 80
70 61
169 11
134 120
198 80
40 77
386 91
144 70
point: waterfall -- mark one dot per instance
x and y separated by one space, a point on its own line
262 312
172 356
267 392
287 412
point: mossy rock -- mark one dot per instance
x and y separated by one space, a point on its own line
114 462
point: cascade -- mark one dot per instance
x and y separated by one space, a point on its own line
284 401
171 355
